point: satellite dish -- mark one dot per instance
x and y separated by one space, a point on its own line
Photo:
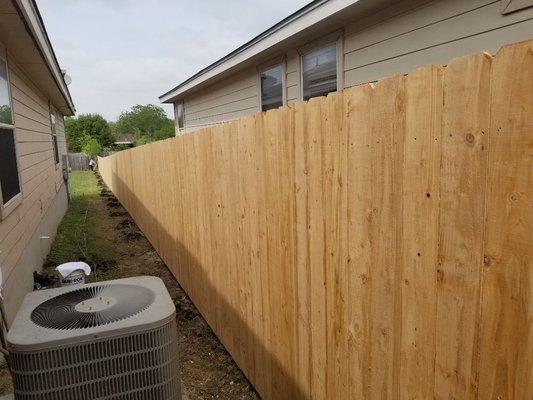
66 77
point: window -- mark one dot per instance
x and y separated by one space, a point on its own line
9 175
179 115
272 88
319 71
54 136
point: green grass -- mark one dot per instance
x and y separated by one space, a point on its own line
83 185
78 236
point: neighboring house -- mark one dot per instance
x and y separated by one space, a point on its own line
33 101
335 44
124 139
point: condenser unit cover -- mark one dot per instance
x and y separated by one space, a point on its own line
108 340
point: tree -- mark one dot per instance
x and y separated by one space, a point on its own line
93 125
90 146
148 123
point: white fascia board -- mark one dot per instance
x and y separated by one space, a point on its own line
284 32
34 24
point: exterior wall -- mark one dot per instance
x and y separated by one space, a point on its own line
20 280
432 33
293 76
409 34
44 199
232 98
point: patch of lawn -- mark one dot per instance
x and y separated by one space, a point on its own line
83 185
78 235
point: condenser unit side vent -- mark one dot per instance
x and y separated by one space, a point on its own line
112 340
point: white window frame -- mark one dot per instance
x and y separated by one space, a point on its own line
267 65
13 203
336 38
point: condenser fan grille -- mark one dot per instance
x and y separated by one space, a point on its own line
92 306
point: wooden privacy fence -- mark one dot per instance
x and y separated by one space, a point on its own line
78 161
374 244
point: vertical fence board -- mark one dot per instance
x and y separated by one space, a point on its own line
419 220
373 244
301 251
181 268
385 229
334 170
279 196
506 352
315 247
262 169
359 246
245 204
463 180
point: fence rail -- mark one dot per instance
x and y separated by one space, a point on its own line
372 244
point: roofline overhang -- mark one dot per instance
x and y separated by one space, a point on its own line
33 21
290 26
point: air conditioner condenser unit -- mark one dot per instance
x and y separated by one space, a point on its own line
108 340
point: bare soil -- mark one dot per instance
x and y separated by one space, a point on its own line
207 369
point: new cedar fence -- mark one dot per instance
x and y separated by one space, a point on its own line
376 243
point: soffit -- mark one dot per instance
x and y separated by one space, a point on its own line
23 51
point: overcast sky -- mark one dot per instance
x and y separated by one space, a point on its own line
120 53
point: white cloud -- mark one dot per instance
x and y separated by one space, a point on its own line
125 52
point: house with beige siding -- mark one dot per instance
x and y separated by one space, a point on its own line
330 45
33 102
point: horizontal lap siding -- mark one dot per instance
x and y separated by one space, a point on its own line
432 33
293 76
233 98
40 177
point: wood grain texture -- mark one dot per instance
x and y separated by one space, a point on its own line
359 263
419 230
373 244
506 332
465 128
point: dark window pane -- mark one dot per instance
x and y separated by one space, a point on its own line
5 107
56 150
319 72
179 115
9 176
54 137
271 88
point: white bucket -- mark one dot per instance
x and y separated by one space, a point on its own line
72 273
74 278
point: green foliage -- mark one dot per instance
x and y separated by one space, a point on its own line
93 125
5 114
90 146
147 122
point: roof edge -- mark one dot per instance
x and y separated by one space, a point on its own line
29 11
284 29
